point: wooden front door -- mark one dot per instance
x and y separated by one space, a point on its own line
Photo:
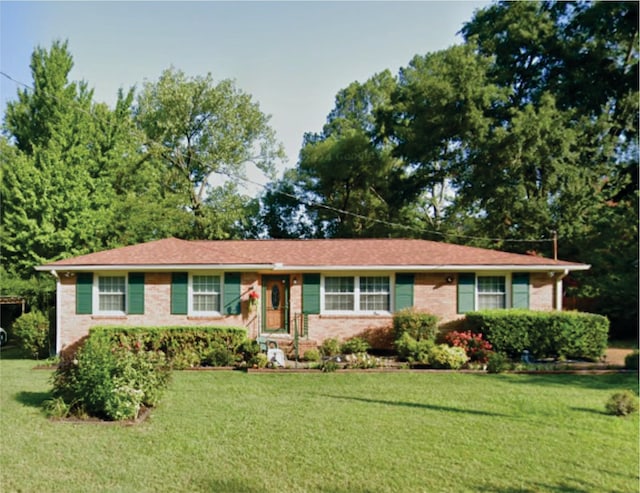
276 303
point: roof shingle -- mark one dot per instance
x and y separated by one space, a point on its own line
303 253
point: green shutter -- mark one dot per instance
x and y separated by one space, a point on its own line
231 293
520 290
84 293
404 291
466 293
310 293
135 294
179 293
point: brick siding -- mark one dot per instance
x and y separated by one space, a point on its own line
432 293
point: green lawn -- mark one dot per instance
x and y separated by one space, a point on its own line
379 432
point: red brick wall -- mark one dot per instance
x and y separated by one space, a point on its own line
432 293
157 309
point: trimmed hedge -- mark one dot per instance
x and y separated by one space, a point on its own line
571 335
184 346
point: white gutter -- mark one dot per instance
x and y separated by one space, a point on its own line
313 268
433 268
558 290
155 267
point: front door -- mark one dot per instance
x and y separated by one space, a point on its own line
276 303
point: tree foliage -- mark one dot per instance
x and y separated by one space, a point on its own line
197 131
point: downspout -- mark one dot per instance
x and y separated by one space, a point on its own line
58 312
558 290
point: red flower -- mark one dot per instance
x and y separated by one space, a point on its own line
253 295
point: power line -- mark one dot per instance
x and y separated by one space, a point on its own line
381 221
316 204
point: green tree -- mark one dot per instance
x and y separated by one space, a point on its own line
73 177
197 129
571 70
437 112
348 167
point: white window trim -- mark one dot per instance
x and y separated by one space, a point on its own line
96 294
507 287
356 286
211 313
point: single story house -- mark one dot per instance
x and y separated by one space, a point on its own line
316 289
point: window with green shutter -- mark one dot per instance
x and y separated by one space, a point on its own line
520 290
231 293
466 292
84 293
311 293
179 293
135 295
404 291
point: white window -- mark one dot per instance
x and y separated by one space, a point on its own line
205 294
374 294
339 294
111 294
357 294
492 293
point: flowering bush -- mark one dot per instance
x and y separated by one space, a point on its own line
476 348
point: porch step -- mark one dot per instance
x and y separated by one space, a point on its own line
287 345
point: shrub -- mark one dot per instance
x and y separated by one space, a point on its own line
186 347
354 345
247 352
413 351
449 357
260 360
56 408
108 382
631 361
419 325
311 355
32 331
329 366
219 355
497 363
330 347
622 403
475 347
544 334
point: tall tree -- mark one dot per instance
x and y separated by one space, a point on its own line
56 197
197 129
73 175
572 72
349 169
437 111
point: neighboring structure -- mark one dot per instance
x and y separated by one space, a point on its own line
316 289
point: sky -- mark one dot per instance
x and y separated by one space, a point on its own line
292 57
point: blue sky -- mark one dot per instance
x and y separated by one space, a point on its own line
293 57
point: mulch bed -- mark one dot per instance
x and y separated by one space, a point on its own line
142 416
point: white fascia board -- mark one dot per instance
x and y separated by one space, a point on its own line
156 267
312 268
433 268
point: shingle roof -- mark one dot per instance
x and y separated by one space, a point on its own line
297 254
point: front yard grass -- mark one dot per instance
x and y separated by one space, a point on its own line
380 432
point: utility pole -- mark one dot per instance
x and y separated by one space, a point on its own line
555 245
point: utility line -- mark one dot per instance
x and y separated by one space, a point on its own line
307 203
